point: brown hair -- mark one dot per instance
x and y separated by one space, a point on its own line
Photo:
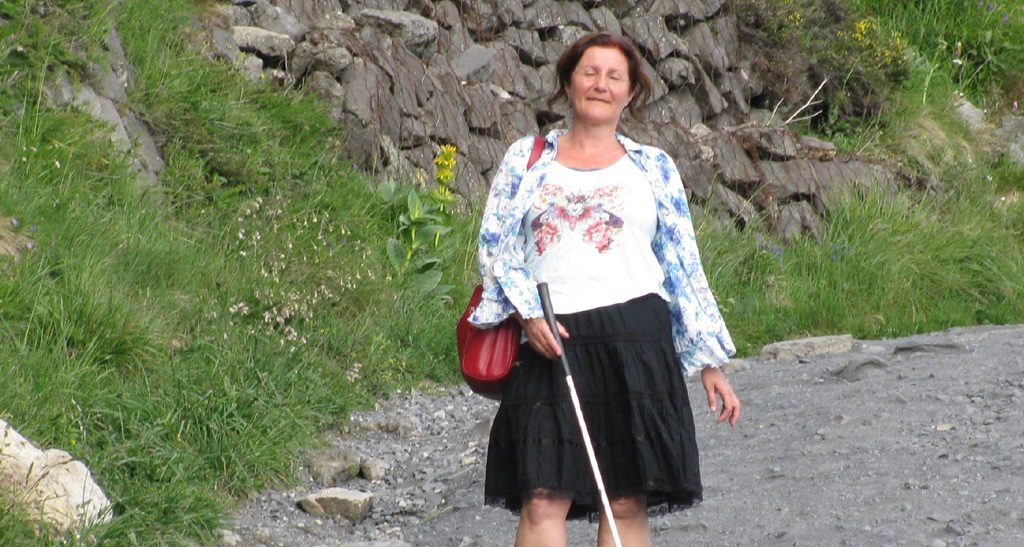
639 83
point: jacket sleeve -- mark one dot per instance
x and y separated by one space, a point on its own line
700 334
508 285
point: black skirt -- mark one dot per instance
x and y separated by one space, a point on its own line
635 403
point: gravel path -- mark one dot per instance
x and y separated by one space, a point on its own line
911 441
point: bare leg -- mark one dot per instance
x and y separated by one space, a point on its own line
631 520
542 523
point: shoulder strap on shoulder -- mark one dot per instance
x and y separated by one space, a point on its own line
538 148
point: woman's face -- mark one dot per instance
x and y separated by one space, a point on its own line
599 88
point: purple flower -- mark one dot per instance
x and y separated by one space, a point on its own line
30 246
1006 18
991 7
14 222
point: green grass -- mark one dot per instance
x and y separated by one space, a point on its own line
977 44
188 344
125 342
888 265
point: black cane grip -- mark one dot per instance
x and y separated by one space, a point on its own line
549 315
545 304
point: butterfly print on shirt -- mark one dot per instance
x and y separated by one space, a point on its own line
587 213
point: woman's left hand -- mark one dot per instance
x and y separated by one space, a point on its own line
716 385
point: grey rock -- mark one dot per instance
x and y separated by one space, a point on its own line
447 14
808 347
223 45
528 44
444 112
652 36
406 72
707 94
520 80
605 19
277 19
860 368
777 144
50 484
677 107
62 93
229 538
416 32
324 57
519 120
680 12
1012 134
311 12
929 347
732 160
971 115
351 504
483 114
794 219
250 66
335 465
676 72
732 204
812 148
229 15
365 90
145 146
373 469
488 19
549 14
265 43
468 180
702 44
279 77
659 88
325 86
454 42
484 152
785 181
476 65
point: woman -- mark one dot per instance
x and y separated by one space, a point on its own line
604 221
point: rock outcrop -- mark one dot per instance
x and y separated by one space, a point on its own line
102 95
406 76
52 486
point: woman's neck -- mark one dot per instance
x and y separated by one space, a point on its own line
589 148
591 140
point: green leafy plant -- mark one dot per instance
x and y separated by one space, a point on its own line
422 218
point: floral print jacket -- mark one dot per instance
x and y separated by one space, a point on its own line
699 332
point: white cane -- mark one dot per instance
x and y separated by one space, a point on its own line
549 315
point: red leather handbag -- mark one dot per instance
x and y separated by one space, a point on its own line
486 356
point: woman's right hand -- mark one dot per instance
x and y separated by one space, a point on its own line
538 334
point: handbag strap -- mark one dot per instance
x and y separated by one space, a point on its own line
538 148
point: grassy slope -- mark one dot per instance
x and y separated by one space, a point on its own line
164 345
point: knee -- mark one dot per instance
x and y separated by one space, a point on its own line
629 508
539 510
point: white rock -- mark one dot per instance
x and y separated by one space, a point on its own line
351 504
807 347
52 485
264 42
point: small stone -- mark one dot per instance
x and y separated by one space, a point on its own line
942 428
351 504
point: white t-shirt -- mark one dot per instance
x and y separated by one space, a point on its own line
589 233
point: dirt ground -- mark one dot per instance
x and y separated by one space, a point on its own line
911 441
